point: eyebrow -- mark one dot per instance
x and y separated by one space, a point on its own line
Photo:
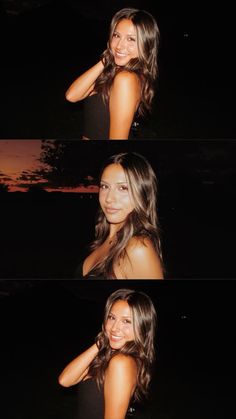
117 183
126 317
128 34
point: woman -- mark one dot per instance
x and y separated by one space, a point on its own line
127 239
120 86
116 370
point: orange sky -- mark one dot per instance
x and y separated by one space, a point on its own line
22 155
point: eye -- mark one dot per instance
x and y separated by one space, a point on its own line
126 321
131 39
103 186
115 35
123 188
110 317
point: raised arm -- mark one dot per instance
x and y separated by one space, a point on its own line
141 262
77 369
84 84
119 386
124 101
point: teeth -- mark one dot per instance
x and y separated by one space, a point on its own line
119 54
116 337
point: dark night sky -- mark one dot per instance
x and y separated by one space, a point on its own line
46 47
194 374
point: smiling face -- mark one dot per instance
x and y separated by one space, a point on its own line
119 325
114 195
124 44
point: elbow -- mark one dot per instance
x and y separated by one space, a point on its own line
62 381
70 97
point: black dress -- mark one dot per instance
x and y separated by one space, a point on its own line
90 400
97 119
91 403
79 273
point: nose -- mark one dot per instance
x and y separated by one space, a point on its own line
116 326
110 196
121 44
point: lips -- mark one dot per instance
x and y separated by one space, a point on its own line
115 338
110 210
120 54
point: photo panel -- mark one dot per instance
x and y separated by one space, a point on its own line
47 44
48 323
49 194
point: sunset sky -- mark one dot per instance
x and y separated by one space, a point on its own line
19 159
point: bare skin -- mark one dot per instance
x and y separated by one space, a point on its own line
124 101
77 369
141 260
121 374
96 256
125 90
83 86
124 98
119 386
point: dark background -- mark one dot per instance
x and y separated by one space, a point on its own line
46 44
45 324
45 235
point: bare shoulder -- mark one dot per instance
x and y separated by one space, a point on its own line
140 247
125 94
126 79
121 362
142 260
125 75
122 368
119 385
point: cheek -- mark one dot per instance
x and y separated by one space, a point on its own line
135 53
128 330
101 197
113 43
106 327
128 205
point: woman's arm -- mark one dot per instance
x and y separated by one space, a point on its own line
77 369
123 103
141 262
119 386
84 84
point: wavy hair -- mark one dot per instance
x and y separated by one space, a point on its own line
142 348
145 65
142 222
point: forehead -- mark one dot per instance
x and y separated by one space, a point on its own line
121 308
114 173
126 26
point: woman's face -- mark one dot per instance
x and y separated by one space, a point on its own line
114 195
119 325
124 44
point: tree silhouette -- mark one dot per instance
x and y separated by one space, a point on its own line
67 163
36 189
4 187
72 163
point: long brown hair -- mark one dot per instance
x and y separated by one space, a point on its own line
145 65
141 222
142 348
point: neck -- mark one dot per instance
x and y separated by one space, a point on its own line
114 228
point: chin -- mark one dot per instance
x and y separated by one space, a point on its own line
116 346
120 64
